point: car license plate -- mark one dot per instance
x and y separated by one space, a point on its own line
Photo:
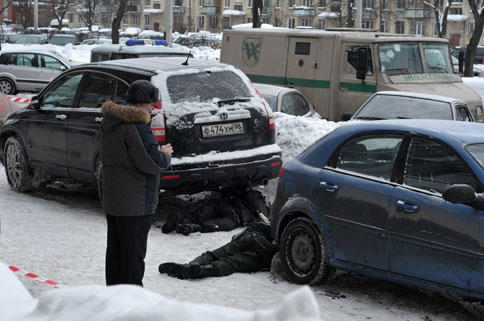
223 129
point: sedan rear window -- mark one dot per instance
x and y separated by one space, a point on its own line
206 86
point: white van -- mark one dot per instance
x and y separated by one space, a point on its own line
339 70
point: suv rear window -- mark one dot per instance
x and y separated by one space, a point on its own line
206 86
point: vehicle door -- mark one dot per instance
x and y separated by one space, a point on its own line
353 92
302 65
430 238
46 137
49 68
354 193
83 126
23 66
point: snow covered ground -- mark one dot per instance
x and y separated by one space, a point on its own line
61 235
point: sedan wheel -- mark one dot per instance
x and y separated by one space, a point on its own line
6 86
16 167
303 253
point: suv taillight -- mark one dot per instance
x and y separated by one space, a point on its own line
158 126
270 115
281 171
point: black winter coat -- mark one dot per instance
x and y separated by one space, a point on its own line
132 163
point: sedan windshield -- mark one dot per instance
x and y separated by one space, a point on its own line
400 107
206 86
477 151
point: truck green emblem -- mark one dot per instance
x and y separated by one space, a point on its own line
251 50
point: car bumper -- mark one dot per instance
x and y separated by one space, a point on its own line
184 176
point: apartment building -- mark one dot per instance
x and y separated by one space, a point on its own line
395 16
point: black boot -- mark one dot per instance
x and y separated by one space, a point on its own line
170 224
169 268
186 229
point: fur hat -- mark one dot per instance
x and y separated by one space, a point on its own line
142 92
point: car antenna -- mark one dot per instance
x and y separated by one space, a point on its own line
186 61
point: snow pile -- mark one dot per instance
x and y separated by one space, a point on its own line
131 302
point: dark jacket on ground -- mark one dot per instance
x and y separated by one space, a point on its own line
131 161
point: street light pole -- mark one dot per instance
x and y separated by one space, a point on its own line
36 15
168 21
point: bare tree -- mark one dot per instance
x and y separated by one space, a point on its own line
256 9
87 12
25 8
478 14
440 17
59 10
8 4
117 20
350 21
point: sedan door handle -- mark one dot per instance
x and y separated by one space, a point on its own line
407 207
328 187
61 116
98 119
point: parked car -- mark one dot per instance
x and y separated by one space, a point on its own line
478 58
401 200
31 39
6 107
97 41
285 100
223 136
64 39
403 105
29 70
114 52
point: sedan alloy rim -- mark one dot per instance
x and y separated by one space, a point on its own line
13 166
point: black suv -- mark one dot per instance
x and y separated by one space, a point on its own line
221 130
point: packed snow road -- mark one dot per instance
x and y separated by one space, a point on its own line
60 235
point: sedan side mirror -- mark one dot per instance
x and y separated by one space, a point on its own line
463 194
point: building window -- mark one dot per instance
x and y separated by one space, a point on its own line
471 27
189 3
384 4
384 26
278 3
400 27
400 4
367 24
147 20
213 22
105 18
435 32
418 28
226 22
307 22
249 3
70 16
201 21
277 22
227 3
158 6
125 19
200 3
322 3
147 3
291 23
321 24
136 19
291 3
367 3
455 11
306 3
238 7
96 18
79 18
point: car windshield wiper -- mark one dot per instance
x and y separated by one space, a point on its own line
231 101
370 118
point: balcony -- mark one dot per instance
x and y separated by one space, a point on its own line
211 10
266 12
368 14
416 13
131 8
103 9
178 9
304 11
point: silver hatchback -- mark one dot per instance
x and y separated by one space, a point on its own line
29 70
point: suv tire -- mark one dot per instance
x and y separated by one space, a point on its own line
16 167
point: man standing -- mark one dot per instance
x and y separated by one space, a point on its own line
132 162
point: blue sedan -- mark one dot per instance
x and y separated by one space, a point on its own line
401 200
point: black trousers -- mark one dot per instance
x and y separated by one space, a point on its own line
126 249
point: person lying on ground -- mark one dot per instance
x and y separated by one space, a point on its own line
249 251
222 214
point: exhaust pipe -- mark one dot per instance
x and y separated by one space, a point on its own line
264 181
